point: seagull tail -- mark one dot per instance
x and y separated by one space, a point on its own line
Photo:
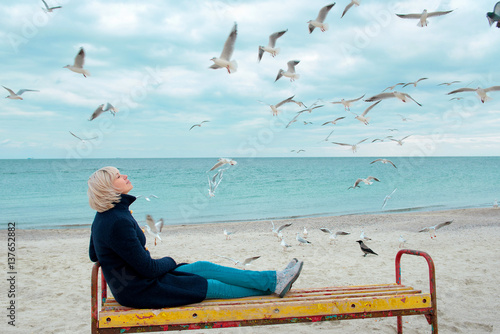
419 24
86 73
277 51
486 98
325 26
233 66
297 76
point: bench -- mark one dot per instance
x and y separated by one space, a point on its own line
310 305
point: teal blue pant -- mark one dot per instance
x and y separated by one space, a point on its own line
226 282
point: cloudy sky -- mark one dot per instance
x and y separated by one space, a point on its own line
151 60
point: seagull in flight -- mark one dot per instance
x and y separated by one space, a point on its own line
362 117
384 161
82 139
319 21
368 181
401 96
100 109
271 46
392 87
399 141
404 119
481 92
199 125
48 9
494 16
276 231
290 72
77 66
354 147
223 161
334 121
365 249
432 229
274 108
245 262
225 57
387 197
347 103
17 96
148 198
448 83
352 3
414 83
154 228
333 236
422 17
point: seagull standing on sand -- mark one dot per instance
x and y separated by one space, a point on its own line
362 236
365 249
333 236
414 83
227 234
494 16
301 240
319 21
347 103
199 125
354 147
481 92
353 2
274 51
401 96
225 57
284 244
432 229
401 241
223 161
48 9
384 161
77 66
305 233
422 18
290 72
387 197
362 117
17 96
154 228
82 139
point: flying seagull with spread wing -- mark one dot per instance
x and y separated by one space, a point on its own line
48 9
319 21
17 96
290 72
481 92
362 118
197 125
494 16
432 229
354 147
422 17
347 103
404 97
271 46
154 228
224 60
77 66
352 3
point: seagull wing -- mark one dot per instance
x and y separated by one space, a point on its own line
360 141
80 58
343 144
408 96
291 65
151 223
324 229
409 16
75 135
228 258
342 233
46 6
370 108
496 9
261 53
432 14
375 161
274 37
380 96
489 89
283 227
228 49
323 12
347 8
97 112
159 224
250 259
438 226
284 101
9 90
26 90
359 98
465 89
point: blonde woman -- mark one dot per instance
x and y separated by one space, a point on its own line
139 281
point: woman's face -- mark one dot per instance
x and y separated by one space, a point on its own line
122 184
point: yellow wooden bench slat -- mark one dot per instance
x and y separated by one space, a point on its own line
317 304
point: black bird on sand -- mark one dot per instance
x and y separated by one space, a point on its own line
365 248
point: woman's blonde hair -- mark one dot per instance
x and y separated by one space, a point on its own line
102 194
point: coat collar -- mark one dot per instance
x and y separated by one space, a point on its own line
125 201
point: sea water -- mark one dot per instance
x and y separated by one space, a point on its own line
52 193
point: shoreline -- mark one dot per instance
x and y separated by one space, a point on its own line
53 281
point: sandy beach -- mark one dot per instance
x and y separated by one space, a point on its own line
53 268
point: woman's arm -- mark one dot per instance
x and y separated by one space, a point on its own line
92 254
126 244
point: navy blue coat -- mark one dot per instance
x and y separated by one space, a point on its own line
135 279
